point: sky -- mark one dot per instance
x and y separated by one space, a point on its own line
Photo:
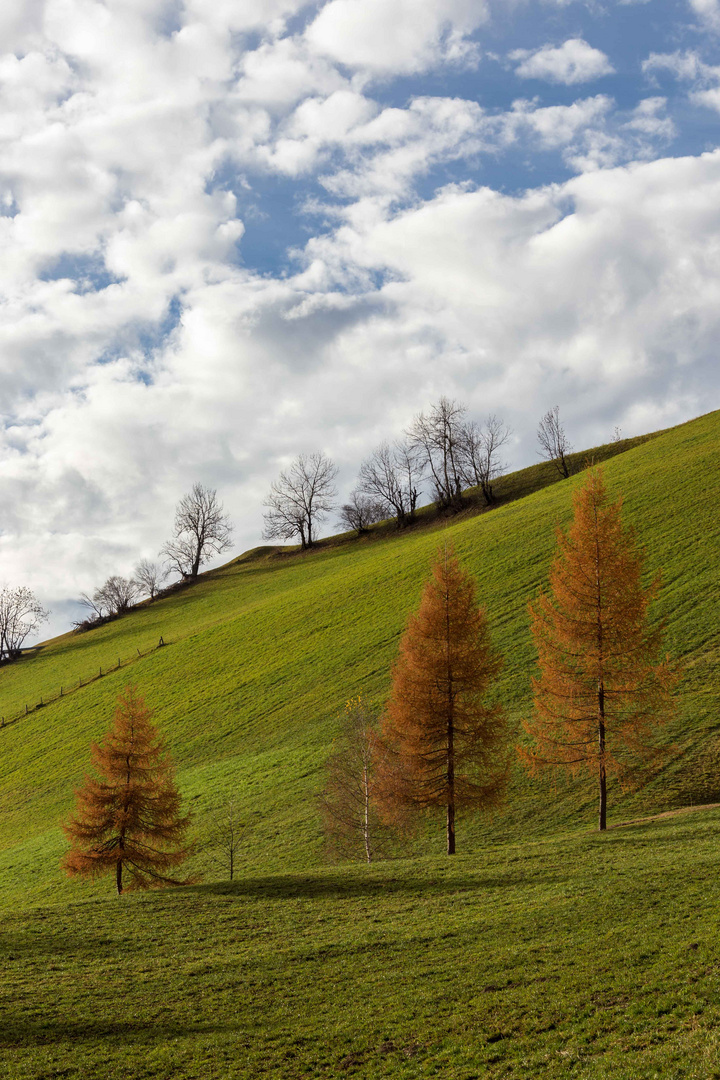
233 232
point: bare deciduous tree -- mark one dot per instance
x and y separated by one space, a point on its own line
118 594
350 819
21 614
300 498
113 597
553 440
438 437
391 477
224 837
360 512
97 610
480 454
149 576
202 529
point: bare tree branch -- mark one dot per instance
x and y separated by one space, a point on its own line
117 594
360 512
391 476
347 802
437 437
149 576
225 836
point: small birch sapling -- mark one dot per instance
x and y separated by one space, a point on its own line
351 823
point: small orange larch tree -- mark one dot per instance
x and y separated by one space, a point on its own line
442 746
127 817
602 688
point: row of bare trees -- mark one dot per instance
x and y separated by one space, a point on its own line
441 449
201 529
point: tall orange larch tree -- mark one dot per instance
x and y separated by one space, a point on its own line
128 818
602 687
443 746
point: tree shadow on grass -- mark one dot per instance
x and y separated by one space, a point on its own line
54 940
309 886
117 1033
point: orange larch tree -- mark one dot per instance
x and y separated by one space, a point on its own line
602 688
442 745
128 818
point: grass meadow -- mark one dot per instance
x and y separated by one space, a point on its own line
577 956
541 949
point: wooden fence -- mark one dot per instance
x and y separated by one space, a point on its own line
72 688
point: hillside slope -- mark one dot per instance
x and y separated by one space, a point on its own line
261 654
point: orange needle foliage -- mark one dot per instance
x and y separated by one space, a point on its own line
601 688
443 746
128 819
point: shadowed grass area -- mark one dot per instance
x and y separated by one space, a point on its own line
580 956
262 653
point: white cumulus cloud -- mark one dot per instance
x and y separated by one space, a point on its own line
570 63
708 11
395 35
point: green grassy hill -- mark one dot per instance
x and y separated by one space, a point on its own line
261 655
541 949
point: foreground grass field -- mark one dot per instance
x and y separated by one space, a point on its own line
580 956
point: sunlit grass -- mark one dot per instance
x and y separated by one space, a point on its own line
262 654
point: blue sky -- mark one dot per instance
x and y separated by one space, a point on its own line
233 233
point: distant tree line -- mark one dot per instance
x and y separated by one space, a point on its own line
441 452
201 529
